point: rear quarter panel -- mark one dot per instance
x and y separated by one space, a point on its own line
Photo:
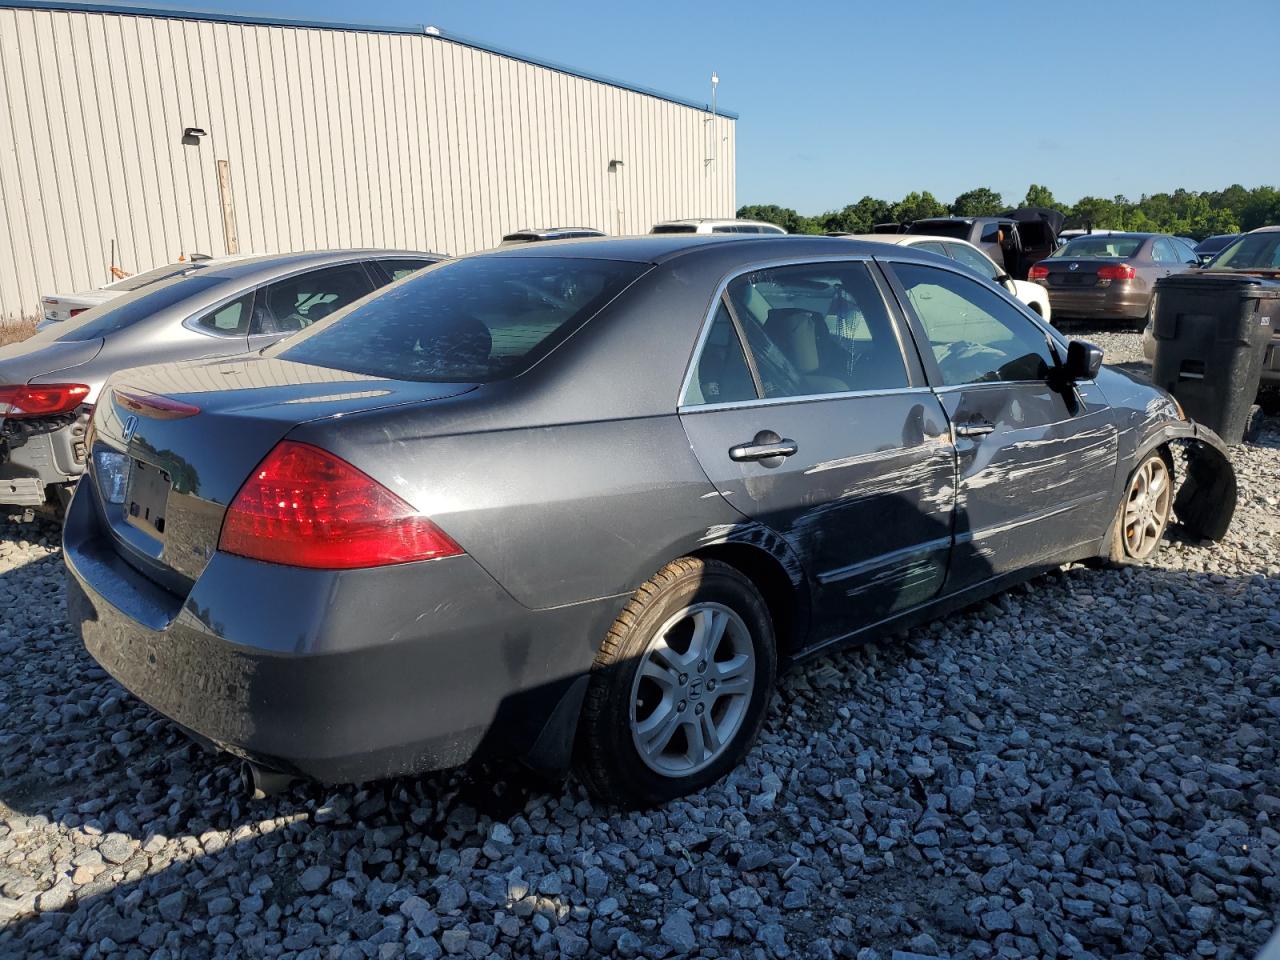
557 514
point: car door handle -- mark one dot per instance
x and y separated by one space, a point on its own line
975 428
764 446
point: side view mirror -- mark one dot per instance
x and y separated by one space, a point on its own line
1084 360
1002 278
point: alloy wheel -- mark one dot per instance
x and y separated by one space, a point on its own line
692 689
1146 508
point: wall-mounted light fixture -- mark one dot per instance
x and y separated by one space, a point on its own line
191 135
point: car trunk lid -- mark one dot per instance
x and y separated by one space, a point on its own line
174 443
1076 271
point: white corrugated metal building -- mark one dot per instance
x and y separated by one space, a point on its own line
131 135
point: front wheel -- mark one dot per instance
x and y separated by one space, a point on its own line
1144 512
680 686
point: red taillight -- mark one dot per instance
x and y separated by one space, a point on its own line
305 507
76 311
40 399
1038 272
1117 271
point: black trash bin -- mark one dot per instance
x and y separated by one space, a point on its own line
1211 330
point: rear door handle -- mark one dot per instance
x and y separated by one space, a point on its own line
975 428
764 446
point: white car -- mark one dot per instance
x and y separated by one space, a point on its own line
1032 294
706 225
63 306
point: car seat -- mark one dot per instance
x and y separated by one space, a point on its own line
803 338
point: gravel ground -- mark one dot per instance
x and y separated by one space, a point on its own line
1085 767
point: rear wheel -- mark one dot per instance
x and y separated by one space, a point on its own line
680 686
1144 512
1150 317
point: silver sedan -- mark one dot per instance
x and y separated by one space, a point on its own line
50 382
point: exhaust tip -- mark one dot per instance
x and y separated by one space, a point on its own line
259 782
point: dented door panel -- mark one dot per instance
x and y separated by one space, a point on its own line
865 501
1036 485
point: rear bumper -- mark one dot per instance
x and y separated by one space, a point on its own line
1112 302
341 676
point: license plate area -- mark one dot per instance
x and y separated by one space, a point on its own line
147 499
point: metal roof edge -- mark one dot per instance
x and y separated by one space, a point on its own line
416 30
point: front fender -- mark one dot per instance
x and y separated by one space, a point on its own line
1206 501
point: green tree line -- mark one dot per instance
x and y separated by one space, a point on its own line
1186 213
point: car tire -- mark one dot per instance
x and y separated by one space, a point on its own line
649 682
1143 514
1149 317
1253 425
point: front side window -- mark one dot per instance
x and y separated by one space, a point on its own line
230 319
975 335
295 303
474 320
722 375
975 261
818 328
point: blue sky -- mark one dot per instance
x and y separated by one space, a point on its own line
842 99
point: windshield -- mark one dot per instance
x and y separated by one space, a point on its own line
151 276
1110 247
468 321
125 311
1253 251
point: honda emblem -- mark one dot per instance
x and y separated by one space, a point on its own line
130 426
1074 266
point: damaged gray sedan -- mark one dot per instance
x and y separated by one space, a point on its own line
574 503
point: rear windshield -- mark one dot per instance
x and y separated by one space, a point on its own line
121 312
159 273
1109 247
941 228
469 321
674 228
1253 251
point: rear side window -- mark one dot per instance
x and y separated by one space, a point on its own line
722 375
122 312
1163 251
674 228
818 328
295 303
230 319
469 321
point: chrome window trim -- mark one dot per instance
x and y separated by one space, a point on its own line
806 398
720 290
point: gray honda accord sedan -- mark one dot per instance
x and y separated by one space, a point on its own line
575 502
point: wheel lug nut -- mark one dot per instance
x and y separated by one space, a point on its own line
684 678
698 709
680 707
711 684
702 666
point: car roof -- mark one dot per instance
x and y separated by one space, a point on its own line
905 239
241 268
548 231
697 220
1121 234
1268 229
659 248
